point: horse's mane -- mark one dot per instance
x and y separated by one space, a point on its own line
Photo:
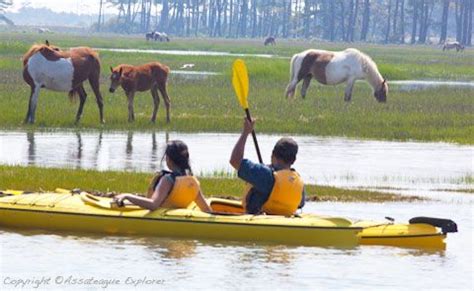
369 67
33 49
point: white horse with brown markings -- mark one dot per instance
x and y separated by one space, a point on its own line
453 45
46 66
332 68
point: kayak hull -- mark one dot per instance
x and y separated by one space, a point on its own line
417 235
66 212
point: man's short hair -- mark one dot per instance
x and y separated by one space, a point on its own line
286 149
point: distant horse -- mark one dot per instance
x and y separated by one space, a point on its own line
161 36
151 76
331 68
453 45
150 35
46 66
269 40
44 30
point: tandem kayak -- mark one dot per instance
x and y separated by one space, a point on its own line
87 213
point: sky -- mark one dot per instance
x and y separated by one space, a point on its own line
74 6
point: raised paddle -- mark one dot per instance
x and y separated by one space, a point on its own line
240 81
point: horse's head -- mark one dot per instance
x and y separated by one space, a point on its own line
115 78
381 92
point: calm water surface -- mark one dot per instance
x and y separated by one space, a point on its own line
412 167
420 168
191 264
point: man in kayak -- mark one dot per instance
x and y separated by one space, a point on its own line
274 189
175 189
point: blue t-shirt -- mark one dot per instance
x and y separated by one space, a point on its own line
262 180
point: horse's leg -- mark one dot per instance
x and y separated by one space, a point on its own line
131 114
348 92
305 85
28 113
30 116
156 102
95 85
82 97
291 88
166 98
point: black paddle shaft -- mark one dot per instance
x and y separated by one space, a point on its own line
254 136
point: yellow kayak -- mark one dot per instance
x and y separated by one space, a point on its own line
86 213
421 232
64 211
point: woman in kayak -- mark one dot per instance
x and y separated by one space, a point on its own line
275 189
171 189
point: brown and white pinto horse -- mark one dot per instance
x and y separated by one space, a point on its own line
331 68
151 76
453 45
46 66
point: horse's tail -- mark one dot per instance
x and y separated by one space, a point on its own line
295 66
73 95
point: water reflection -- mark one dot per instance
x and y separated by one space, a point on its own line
80 155
30 137
410 167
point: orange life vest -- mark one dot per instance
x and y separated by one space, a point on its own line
184 192
286 194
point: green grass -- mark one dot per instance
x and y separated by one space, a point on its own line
44 179
440 114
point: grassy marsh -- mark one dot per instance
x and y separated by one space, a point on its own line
44 179
208 104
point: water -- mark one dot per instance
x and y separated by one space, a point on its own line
194 75
185 53
412 167
410 85
192 264
198 73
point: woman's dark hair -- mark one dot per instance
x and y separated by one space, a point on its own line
177 151
286 149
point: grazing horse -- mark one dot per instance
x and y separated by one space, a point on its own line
453 45
161 36
151 76
46 66
269 40
331 68
150 36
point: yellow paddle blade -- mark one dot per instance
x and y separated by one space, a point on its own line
240 81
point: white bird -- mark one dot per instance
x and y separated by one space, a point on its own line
187 66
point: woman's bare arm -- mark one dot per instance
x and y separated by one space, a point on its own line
202 203
156 200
